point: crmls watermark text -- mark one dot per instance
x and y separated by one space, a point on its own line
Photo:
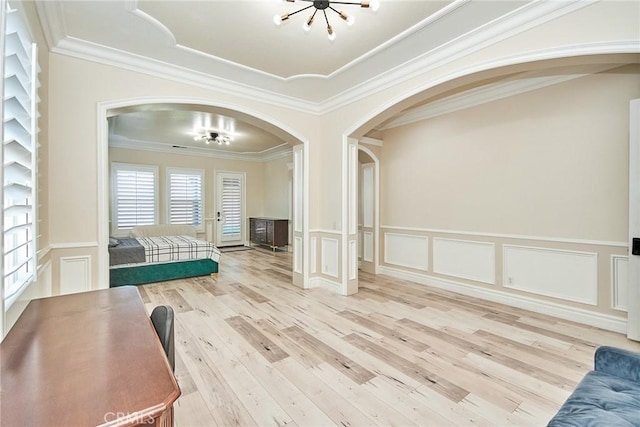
126 416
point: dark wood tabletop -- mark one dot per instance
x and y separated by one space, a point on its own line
85 359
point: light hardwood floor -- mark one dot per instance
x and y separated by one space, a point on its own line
252 349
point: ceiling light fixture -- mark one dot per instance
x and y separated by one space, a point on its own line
323 6
210 137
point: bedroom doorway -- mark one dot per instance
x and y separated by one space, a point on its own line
230 229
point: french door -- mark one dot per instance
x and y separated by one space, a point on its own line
633 286
230 223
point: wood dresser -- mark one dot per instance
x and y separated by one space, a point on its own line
271 232
90 359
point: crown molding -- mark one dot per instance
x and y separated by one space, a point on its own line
526 82
528 16
81 49
522 19
266 155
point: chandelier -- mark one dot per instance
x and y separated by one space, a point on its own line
323 6
210 137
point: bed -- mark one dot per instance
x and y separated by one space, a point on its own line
156 253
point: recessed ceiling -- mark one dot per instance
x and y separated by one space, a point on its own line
244 32
236 46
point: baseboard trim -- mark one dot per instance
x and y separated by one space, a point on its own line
575 314
321 282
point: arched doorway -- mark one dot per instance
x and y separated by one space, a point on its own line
300 176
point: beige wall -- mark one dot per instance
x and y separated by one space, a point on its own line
264 180
74 87
546 170
549 163
278 174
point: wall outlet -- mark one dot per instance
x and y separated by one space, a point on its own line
510 280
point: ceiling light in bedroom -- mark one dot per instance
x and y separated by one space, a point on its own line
214 137
323 6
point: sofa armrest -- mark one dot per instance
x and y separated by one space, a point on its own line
619 362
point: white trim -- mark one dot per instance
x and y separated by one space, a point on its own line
594 273
522 19
615 282
485 94
372 141
102 158
321 282
73 245
600 320
376 210
492 263
511 236
319 231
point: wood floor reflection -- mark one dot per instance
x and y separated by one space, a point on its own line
252 349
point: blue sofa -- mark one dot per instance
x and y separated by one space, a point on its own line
607 396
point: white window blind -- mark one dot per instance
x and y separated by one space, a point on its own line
185 201
232 205
135 196
20 100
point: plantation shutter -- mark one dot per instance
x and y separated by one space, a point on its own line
135 201
19 152
185 197
232 205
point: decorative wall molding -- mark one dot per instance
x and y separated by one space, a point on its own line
45 279
329 256
367 246
600 320
406 250
465 259
323 231
510 236
297 255
73 245
560 274
526 82
353 260
313 255
75 274
619 282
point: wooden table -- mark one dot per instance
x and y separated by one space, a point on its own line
85 359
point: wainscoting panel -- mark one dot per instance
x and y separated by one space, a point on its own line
313 255
353 260
367 243
329 251
75 274
568 275
465 259
360 242
368 195
619 281
297 255
406 250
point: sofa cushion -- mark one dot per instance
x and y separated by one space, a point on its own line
601 399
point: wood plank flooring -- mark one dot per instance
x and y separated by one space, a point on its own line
252 349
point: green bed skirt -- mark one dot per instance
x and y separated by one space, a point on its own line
150 273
